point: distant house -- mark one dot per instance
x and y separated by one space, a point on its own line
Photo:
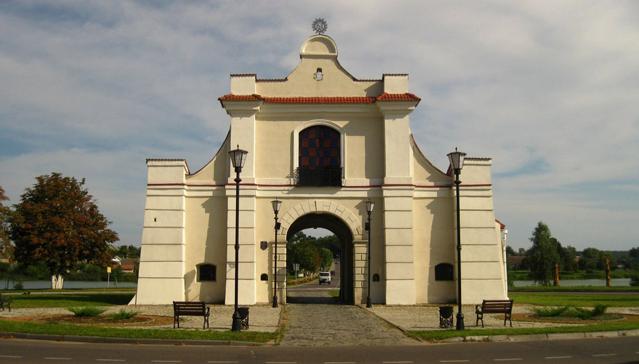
128 265
515 261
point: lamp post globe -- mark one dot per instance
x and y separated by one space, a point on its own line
238 157
369 210
276 209
456 159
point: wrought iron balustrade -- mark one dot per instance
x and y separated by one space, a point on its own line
317 177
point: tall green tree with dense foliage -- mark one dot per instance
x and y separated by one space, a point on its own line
633 258
57 222
127 251
543 255
326 258
591 259
6 248
568 257
311 253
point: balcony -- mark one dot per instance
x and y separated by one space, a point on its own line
319 177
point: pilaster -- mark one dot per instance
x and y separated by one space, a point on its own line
398 154
281 269
399 253
360 276
247 242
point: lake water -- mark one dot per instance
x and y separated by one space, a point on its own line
615 282
67 284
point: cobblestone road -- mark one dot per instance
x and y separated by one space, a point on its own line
338 325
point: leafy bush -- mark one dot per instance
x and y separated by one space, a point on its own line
571 312
86 311
634 279
123 315
550 311
599 310
18 285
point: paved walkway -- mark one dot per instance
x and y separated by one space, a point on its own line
338 325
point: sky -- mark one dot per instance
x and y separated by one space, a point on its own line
548 89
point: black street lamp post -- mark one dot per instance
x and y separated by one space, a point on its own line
276 209
238 157
369 209
457 163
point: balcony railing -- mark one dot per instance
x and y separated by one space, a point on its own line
331 176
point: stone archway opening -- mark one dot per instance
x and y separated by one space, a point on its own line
343 268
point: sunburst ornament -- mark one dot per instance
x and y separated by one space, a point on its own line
320 26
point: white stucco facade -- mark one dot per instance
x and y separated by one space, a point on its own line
190 215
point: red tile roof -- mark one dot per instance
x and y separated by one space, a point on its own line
385 97
231 97
397 97
320 100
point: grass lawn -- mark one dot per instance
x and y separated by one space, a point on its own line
71 299
575 299
175 334
445 334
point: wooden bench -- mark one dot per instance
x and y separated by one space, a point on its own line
494 306
183 308
5 301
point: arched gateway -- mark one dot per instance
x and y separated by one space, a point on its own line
322 142
348 261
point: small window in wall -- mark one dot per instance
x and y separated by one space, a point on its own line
264 277
206 273
444 272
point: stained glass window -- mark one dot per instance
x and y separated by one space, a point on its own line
319 148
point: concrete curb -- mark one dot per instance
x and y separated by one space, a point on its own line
392 324
542 337
121 340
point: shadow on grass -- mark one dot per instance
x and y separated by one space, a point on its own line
65 300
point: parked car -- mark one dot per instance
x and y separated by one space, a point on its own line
325 277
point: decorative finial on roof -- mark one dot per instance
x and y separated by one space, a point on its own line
320 26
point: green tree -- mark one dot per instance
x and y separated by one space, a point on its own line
6 248
633 258
127 251
306 254
57 222
543 255
510 251
591 259
568 257
326 258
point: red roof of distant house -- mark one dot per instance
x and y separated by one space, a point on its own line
128 265
385 97
502 226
